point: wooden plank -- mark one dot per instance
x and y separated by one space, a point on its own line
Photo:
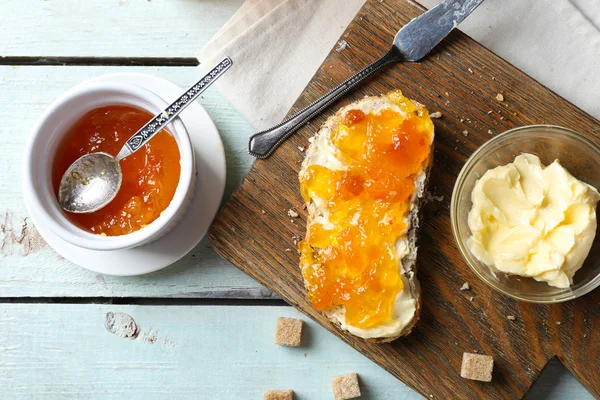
29 268
111 28
51 351
65 351
493 25
429 359
91 29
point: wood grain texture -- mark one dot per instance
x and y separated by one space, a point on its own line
59 351
496 26
429 359
146 352
46 350
111 28
29 268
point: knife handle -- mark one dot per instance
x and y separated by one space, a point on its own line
263 144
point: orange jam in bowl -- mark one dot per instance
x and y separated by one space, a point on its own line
349 255
150 175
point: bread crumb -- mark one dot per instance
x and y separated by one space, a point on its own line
292 213
263 212
511 317
341 45
279 395
301 148
490 132
465 286
470 70
345 386
558 322
471 298
432 196
477 367
465 133
288 250
288 332
102 234
436 114
499 97
447 94
489 112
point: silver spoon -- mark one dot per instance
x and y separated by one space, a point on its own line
94 179
413 42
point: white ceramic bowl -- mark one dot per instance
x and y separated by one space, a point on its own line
48 133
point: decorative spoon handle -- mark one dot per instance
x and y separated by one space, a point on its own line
264 143
161 120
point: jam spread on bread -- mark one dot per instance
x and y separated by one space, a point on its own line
150 175
367 206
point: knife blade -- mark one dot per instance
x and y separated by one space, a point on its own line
413 42
417 38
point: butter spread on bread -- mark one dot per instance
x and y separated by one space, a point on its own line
363 179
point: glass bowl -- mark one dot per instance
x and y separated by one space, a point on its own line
579 155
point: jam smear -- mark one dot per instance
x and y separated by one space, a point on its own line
367 205
150 175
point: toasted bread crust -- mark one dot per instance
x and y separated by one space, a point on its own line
409 261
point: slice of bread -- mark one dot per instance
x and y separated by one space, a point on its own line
322 151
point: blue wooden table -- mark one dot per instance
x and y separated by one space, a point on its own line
205 329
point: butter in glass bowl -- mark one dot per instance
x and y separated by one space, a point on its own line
532 220
580 156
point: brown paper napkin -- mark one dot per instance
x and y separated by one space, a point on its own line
556 42
276 47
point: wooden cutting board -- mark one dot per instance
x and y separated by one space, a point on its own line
461 79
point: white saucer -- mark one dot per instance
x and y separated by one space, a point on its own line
210 184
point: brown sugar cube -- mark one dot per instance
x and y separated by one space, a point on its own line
477 367
288 332
345 386
279 395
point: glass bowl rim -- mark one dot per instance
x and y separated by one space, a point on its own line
458 187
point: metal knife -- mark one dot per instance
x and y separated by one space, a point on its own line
413 42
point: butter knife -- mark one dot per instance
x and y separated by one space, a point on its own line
413 42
